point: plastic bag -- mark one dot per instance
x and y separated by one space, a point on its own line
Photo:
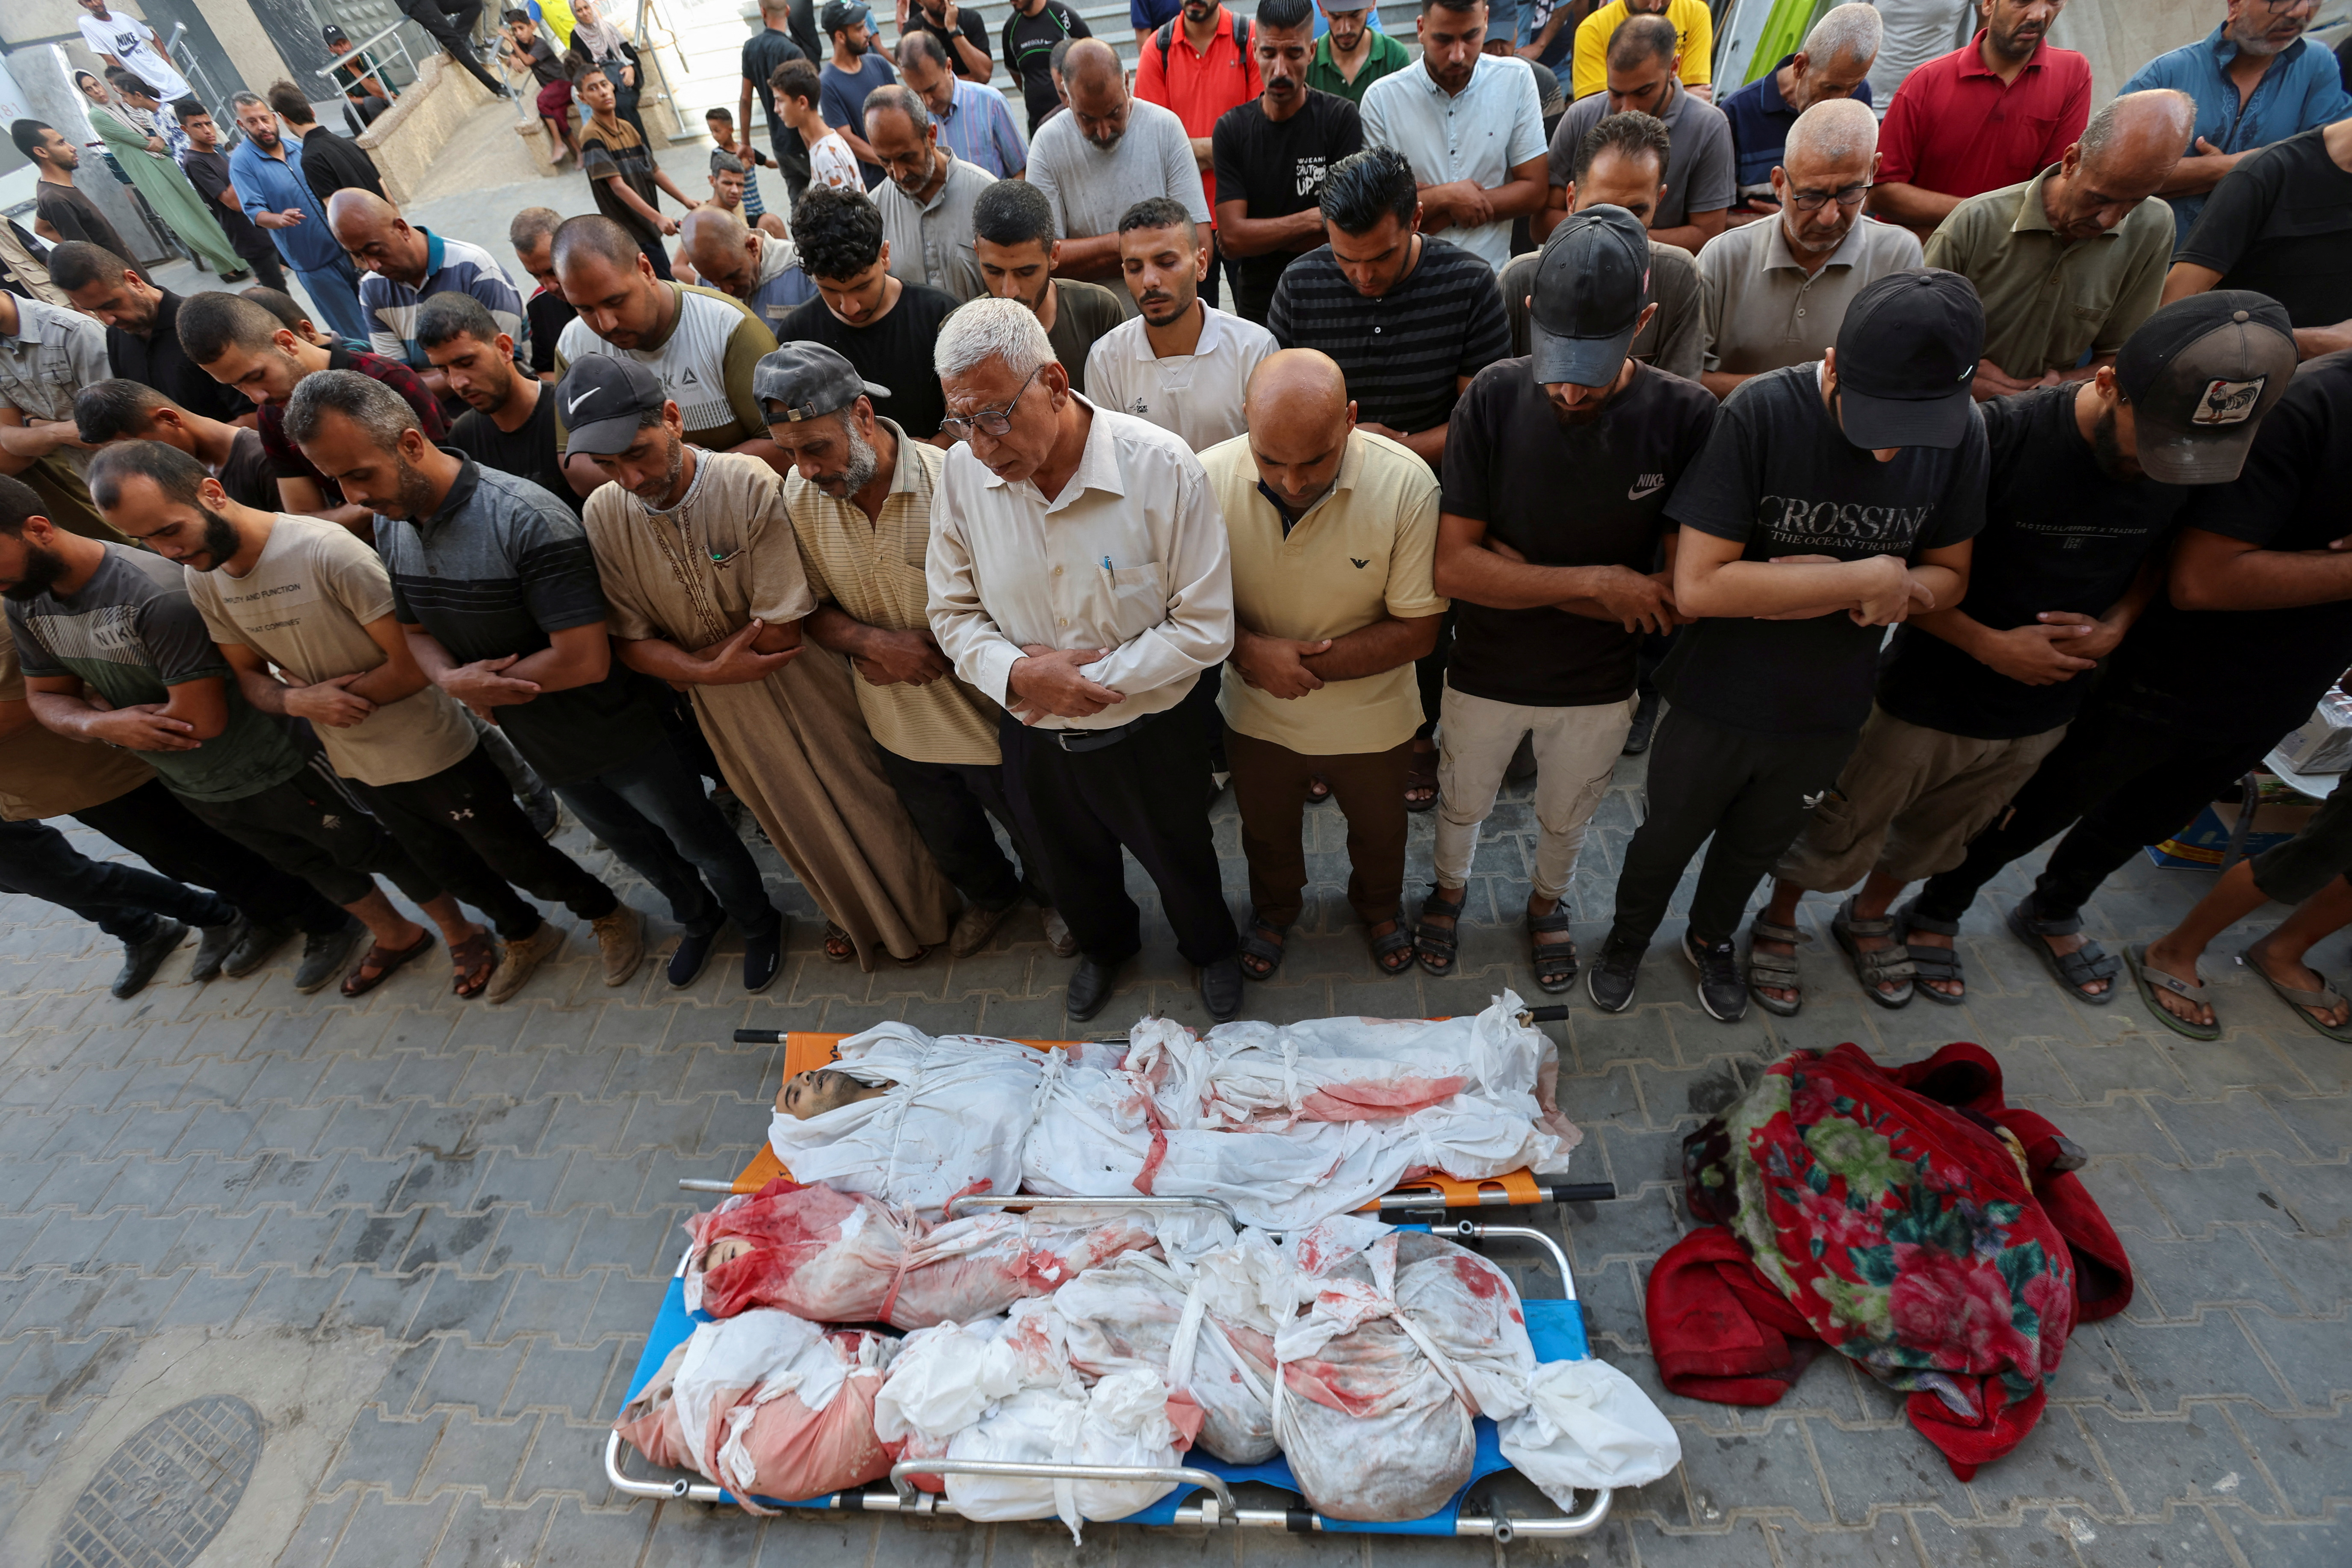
1122 1420
1588 1425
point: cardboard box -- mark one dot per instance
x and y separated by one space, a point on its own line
2324 744
2202 844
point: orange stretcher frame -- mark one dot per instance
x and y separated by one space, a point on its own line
805 1050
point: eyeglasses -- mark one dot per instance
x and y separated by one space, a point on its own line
995 423
1813 201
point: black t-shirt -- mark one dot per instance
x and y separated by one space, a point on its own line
1780 476
895 352
763 52
549 313
2253 675
2281 223
208 172
529 453
331 163
968 23
1581 495
2059 534
1278 167
158 360
1029 54
250 477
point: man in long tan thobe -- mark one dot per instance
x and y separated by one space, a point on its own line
700 567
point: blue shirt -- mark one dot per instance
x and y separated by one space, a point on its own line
1760 120
1146 16
267 184
451 265
2302 88
978 129
842 101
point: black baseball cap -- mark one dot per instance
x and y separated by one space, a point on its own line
2199 374
334 35
840 13
603 401
803 380
1907 353
1591 282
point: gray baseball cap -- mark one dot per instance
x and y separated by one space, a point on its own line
1590 285
2200 374
803 380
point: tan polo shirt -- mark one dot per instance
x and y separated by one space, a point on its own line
1364 551
42 773
873 571
2046 301
1763 312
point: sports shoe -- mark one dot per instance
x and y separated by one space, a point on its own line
213 948
255 948
763 957
621 938
326 954
1722 988
691 957
1613 975
141 959
520 956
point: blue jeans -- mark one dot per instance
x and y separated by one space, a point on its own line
127 902
335 297
653 812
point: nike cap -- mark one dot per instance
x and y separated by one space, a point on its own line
803 380
603 401
1907 353
1591 282
2199 374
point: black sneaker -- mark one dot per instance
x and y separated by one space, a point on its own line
763 958
253 949
213 948
691 957
1722 988
326 955
140 960
1646 721
1613 975
1221 988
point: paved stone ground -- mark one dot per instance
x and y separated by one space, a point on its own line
426 1239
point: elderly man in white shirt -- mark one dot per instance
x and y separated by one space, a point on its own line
1079 575
1472 126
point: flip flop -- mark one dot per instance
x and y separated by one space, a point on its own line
2151 981
2300 1001
385 961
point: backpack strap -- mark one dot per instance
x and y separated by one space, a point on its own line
1161 40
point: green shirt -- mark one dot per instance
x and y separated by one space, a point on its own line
2047 301
1387 56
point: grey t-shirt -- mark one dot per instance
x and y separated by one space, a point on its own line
1701 171
130 634
1090 189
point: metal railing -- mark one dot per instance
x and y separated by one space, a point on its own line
361 63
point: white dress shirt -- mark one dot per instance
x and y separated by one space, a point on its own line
1130 556
1197 396
1480 135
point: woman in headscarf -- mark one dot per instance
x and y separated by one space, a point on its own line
597 41
127 121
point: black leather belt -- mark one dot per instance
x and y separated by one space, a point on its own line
1100 740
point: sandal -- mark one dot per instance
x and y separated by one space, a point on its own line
839 947
2074 970
382 960
1555 962
1420 780
1392 950
1318 789
1261 949
1435 946
1932 962
1777 969
476 959
1874 967
2151 981
2303 1000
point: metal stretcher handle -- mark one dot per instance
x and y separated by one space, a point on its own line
958 1205
1180 1475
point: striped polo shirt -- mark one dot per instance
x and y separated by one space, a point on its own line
704 362
1403 351
451 265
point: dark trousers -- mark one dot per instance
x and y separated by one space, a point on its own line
126 902
2122 781
463 826
152 824
1147 794
1750 791
1270 787
311 826
451 23
951 804
653 812
265 268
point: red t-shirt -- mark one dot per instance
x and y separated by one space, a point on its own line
1198 86
1957 128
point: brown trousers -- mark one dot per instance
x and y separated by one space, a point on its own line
1270 787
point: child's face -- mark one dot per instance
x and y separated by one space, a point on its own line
722 132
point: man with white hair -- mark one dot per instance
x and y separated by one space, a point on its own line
1834 62
2073 258
1774 294
1080 576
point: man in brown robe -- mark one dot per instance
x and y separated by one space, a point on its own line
697 558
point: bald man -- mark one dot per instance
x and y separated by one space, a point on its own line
760 269
1108 152
2072 260
401 264
1332 530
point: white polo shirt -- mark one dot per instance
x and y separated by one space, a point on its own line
1196 397
1481 134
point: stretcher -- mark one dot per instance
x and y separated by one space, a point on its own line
1203 1498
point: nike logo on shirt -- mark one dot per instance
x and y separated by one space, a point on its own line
1647 485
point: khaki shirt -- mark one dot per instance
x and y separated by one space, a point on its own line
1763 312
2047 301
1130 556
873 571
1362 552
42 773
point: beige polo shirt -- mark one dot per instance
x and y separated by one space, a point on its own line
1362 552
873 571
2046 301
1763 311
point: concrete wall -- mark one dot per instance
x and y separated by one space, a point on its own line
406 138
2121 36
251 51
47 84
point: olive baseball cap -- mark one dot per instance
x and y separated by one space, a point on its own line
2199 374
